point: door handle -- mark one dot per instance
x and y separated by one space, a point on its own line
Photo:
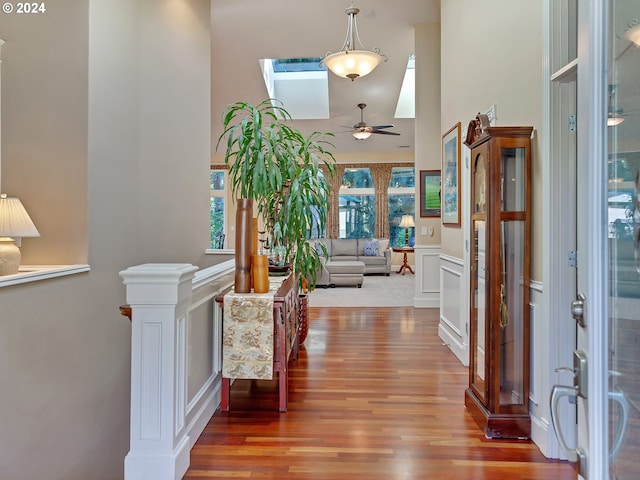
577 309
557 393
623 423
574 455
578 389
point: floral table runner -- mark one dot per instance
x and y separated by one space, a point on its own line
247 333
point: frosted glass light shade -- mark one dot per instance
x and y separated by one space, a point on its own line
613 120
361 134
633 35
353 63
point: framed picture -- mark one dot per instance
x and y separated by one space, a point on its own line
429 193
451 176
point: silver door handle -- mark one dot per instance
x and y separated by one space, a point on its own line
623 423
579 389
577 309
557 392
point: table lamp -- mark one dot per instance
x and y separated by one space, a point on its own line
407 222
14 223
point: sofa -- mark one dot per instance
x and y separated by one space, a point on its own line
349 259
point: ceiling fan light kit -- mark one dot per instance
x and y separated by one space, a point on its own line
362 131
361 134
351 62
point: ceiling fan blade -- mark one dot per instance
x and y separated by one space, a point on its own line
379 127
384 132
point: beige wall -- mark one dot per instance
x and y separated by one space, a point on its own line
44 127
427 124
492 55
118 98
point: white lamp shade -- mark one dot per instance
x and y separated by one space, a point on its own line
407 221
14 219
352 63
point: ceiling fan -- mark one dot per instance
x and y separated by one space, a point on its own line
362 131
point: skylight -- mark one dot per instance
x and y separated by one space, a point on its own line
406 107
301 84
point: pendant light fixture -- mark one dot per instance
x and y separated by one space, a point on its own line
350 62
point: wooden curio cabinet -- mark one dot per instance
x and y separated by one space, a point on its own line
498 393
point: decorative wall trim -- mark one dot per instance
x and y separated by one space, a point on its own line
427 293
536 286
534 372
453 260
36 273
453 327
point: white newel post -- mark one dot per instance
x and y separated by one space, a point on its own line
159 296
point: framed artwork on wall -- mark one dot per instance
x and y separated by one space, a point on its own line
451 176
430 193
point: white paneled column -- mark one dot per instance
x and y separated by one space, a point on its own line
159 296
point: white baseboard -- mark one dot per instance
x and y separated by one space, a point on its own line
459 349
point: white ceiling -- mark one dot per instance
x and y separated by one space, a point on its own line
245 31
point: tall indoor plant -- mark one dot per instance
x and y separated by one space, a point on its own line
279 168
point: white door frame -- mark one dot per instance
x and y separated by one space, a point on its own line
593 273
591 68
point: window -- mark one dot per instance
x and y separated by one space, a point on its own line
357 204
216 208
401 194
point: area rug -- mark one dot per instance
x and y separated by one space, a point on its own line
377 291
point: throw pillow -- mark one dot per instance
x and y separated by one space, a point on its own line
383 244
371 248
319 249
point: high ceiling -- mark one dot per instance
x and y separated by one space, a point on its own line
245 31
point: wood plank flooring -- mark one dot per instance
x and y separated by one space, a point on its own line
374 395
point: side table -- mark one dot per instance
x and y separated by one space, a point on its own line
405 264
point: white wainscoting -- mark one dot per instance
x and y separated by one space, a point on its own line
543 377
454 312
427 293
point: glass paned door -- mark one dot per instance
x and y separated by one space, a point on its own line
623 231
479 270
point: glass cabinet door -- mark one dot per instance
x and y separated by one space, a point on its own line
512 273
479 278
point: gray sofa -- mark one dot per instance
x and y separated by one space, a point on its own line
349 259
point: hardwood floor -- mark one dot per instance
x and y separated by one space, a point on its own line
374 395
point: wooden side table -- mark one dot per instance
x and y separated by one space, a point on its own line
405 264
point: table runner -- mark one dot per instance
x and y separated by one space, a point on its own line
247 333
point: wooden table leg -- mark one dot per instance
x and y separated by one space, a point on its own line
284 389
225 394
405 265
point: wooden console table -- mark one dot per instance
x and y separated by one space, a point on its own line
285 336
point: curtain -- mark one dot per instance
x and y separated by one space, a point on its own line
381 174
